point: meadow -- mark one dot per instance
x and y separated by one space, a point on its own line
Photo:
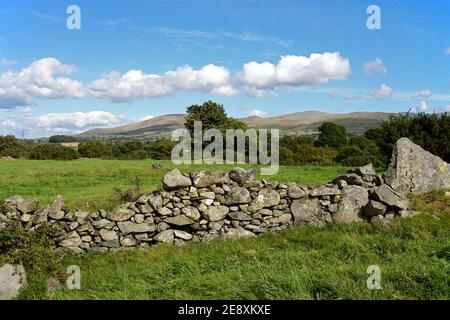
95 184
303 263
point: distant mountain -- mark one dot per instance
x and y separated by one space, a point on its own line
302 123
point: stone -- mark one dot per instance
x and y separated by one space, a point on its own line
121 213
350 179
295 192
166 236
324 191
350 209
237 233
12 279
236 195
155 201
71 240
128 227
191 213
309 212
180 220
215 213
164 211
284 218
183 235
108 235
380 222
26 218
129 241
28 206
374 208
241 176
415 170
367 169
53 285
139 218
206 178
237 215
40 217
389 196
157 166
103 224
175 180
266 198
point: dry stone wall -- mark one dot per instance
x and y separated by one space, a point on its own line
204 205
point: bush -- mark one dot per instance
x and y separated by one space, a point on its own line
10 146
317 155
331 135
361 151
61 139
161 149
94 149
52 152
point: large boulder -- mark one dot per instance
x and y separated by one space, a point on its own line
175 180
241 176
350 209
390 197
414 170
12 280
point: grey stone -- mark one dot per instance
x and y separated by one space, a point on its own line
191 213
284 218
155 201
129 241
236 195
183 235
415 170
166 236
175 180
324 191
295 192
180 220
309 212
53 285
215 213
350 209
128 227
266 198
103 224
367 169
389 196
121 213
12 279
206 178
108 235
241 176
28 206
374 208
237 233
72 239
237 215
380 222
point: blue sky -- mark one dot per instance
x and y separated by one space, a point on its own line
134 59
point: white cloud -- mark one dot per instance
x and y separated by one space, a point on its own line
420 108
425 93
76 121
375 66
383 92
38 80
294 71
258 113
6 63
146 118
447 51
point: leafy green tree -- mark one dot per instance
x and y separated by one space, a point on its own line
50 151
10 146
160 149
61 138
331 135
94 149
212 115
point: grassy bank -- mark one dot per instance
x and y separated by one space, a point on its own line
92 183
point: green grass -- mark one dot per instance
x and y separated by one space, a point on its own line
91 184
304 263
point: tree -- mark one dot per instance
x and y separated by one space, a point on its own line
212 115
160 149
61 138
50 151
10 146
94 149
331 135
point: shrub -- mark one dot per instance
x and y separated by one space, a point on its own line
10 146
331 135
61 139
161 149
52 152
94 149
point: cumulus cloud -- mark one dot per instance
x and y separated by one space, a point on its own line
135 84
374 66
294 71
39 80
425 93
76 121
383 92
420 108
258 113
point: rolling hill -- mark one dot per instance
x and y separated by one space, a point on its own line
302 123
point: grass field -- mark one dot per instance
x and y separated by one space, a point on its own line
92 183
303 263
